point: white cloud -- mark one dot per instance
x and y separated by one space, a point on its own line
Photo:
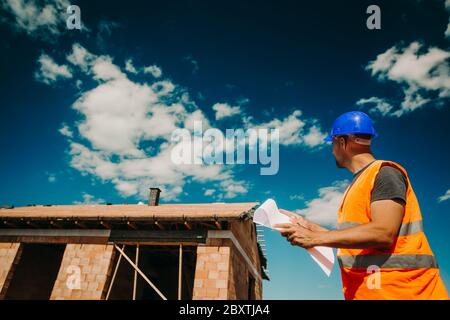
376 105
154 70
65 131
323 210
233 188
314 137
125 129
104 69
89 199
51 177
124 132
224 110
49 72
80 57
419 71
41 18
294 130
296 197
445 196
209 192
130 67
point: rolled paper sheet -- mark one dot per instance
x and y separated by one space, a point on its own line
268 215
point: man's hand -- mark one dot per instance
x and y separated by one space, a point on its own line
298 219
297 235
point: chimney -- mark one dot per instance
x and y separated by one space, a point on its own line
153 197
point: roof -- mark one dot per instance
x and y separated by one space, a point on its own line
222 211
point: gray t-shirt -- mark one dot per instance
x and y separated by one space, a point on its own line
390 184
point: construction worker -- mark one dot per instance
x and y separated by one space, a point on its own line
383 252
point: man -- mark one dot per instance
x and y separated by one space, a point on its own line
383 252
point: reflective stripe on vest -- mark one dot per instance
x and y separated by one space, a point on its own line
411 261
405 229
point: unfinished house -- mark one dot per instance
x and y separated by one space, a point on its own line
146 251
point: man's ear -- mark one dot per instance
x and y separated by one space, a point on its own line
342 142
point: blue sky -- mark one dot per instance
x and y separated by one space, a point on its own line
75 125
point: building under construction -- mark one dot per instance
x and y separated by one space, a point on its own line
145 251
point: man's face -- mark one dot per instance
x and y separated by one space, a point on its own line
338 152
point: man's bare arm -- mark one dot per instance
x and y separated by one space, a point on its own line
387 216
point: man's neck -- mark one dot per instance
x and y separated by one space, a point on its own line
359 161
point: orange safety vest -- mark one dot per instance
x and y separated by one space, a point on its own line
407 270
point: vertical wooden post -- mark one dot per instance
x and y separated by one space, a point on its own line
114 275
180 268
135 271
140 272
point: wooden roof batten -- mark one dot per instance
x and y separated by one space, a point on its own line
128 214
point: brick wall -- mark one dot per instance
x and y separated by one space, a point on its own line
221 271
93 264
9 256
212 271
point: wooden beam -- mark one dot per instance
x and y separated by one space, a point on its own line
80 225
159 225
106 225
180 268
141 273
9 224
55 225
114 275
135 272
158 235
131 225
31 224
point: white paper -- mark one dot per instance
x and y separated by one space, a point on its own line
268 215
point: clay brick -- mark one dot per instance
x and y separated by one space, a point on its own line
210 266
200 265
224 250
201 274
223 275
212 292
215 257
222 266
198 283
201 249
221 284
90 277
200 292
212 249
203 258
209 283
223 294
76 294
213 275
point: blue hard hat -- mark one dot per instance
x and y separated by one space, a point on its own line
353 122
